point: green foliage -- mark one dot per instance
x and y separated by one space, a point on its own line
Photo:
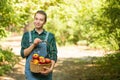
7 60
5 12
2 33
72 21
103 26
112 12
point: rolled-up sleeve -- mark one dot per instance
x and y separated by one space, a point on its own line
53 48
24 43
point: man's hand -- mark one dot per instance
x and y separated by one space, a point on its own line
46 71
37 41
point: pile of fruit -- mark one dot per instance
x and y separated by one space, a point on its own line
38 63
37 59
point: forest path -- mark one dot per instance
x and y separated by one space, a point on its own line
65 53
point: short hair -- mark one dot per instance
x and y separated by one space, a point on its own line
41 12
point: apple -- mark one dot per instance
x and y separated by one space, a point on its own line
42 61
41 57
35 61
35 56
47 60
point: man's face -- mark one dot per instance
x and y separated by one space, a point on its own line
39 20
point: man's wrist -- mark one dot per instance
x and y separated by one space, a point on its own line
34 44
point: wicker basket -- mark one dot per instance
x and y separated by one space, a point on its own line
36 68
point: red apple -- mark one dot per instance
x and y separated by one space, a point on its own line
47 60
35 56
42 61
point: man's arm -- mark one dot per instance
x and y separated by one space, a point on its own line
26 48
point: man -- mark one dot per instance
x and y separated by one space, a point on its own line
37 36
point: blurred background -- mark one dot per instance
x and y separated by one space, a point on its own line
87 34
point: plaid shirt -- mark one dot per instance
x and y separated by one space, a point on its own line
51 48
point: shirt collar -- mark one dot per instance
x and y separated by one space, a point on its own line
44 31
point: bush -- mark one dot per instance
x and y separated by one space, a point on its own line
7 60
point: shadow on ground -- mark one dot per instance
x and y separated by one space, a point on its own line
17 72
86 68
73 68
65 69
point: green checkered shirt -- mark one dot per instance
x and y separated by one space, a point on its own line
51 48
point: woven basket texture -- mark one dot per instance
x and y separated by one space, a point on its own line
36 68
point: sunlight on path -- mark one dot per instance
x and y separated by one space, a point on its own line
6 78
77 52
63 52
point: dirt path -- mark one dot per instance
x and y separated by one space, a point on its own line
65 54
